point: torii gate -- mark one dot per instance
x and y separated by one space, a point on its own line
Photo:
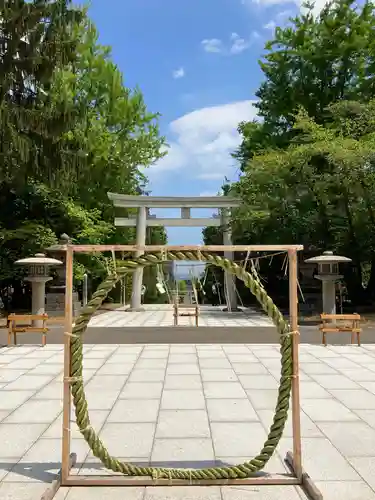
143 219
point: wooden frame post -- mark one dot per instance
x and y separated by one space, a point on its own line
67 401
293 320
294 460
68 460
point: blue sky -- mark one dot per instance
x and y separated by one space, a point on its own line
196 62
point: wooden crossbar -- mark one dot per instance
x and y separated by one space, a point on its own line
184 248
329 325
14 329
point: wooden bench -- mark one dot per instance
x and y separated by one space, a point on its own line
14 326
190 310
351 325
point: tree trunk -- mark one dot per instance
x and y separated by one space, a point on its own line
325 225
370 289
353 280
353 274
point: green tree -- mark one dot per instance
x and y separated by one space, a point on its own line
116 134
320 190
35 38
308 163
318 61
70 131
313 63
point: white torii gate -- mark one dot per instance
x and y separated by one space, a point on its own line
143 219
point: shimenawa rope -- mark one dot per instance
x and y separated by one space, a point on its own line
244 470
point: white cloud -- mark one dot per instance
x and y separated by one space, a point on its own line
280 19
203 140
211 193
250 3
270 26
318 4
236 44
212 45
178 73
284 14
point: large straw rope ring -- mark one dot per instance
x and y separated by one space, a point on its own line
244 470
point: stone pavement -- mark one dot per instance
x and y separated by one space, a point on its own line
156 315
188 406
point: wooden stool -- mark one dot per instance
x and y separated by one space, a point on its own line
13 329
353 326
177 313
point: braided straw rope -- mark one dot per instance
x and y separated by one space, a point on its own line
282 405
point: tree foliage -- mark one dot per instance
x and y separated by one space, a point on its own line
70 131
321 190
35 38
308 164
312 63
115 133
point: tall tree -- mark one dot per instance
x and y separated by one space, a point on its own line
317 61
70 131
320 190
35 38
312 63
116 133
308 164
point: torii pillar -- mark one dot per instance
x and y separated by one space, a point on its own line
229 279
136 297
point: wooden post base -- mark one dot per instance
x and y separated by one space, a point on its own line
306 482
55 485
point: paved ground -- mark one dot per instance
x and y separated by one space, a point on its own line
189 405
156 315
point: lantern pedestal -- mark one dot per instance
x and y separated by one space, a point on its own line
329 292
328 274
38 296
38 268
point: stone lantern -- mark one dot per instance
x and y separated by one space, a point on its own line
328 274
55 304
38 269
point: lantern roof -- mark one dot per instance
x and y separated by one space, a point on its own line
38 259
327 257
